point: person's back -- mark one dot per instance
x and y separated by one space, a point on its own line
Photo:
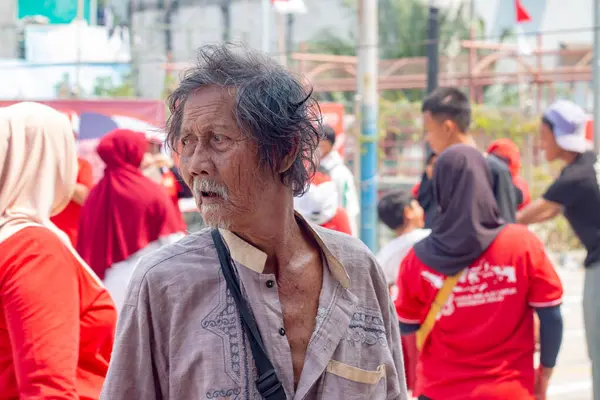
469 290
125 214
482 345
506 150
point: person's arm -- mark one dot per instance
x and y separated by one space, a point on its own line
85 181
551 332
40 298
539 210
135 370
545 296
410 308
80 194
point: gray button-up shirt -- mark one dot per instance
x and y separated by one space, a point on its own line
180 335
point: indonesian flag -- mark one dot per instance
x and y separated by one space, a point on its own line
521 16
289 6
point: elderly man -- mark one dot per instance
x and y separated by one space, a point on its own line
264 305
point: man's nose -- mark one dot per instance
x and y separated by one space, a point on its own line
201 163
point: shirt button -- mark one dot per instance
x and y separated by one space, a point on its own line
270 284
282 331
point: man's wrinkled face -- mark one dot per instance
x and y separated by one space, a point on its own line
438 133
218 161
548 142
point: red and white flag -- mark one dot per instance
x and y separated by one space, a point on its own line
289 6
521 16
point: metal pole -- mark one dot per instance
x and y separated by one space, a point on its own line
433 63
266 26
368 76
596 70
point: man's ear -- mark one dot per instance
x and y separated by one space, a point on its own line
450 126
287 161
408 213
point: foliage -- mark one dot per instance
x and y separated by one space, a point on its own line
402 33
105 87
403 120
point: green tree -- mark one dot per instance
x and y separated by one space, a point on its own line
402 33
105 87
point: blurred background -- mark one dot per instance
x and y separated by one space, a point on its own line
111 63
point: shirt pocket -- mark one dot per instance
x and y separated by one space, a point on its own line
343 381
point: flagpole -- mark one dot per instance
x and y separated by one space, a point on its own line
596 72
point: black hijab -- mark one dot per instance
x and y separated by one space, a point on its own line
468 220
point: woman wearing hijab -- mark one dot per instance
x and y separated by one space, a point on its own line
508 152
126 214
57 320
481 343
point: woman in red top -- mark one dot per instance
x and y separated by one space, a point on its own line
507 151
482 343
57 321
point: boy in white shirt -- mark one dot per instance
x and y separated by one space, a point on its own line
402 214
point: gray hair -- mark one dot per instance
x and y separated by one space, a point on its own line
272 107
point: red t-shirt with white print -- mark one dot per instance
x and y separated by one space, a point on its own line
482 344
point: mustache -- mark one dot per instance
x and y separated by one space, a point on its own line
200 186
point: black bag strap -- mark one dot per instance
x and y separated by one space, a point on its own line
268 384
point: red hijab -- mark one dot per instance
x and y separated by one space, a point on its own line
125 211
508 151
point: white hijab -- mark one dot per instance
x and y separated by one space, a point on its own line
38 170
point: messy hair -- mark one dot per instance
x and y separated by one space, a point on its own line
271 107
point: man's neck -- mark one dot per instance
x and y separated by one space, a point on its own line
463 138
569 157
276 233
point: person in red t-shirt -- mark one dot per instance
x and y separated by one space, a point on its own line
57 320
507 151
482 343
68 219
320 205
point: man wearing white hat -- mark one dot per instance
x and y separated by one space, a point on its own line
576 193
